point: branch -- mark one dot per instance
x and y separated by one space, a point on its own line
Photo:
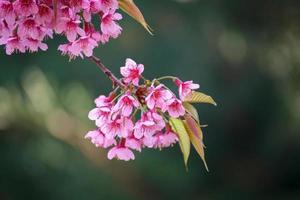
107 72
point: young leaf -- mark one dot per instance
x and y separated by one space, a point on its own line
199 97
184 141
196 137
131 9
191 110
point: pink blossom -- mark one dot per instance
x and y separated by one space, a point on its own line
109 26
175 108
112 128
167 139
104 101
158 97
34 45
104 38
185 88
132 72
104 117
45 14
7 11
125 105
28 28
160 140
70 28
84 45
108 5
35 19
79 4
133 143
121 127
25 7
121 153
94 7
100 115
65 50
94 34
99 139
13 44
150 141
149 123
5 30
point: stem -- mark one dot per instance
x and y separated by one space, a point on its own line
107 72
166 77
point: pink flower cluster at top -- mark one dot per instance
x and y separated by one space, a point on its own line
137 116
25 24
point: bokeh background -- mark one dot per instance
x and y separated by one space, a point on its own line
246 54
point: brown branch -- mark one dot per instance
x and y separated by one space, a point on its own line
107 72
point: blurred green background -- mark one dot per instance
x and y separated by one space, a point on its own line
246 54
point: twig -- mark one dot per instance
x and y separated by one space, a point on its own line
107 72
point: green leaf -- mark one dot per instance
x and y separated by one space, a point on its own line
199 97
189 108
196 136
179 128
131 9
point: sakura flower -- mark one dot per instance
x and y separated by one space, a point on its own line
148 125
133 143
65 50
79 4
125 105
104 117
45 14
167 139
99 139
94 7
150 141
108 5
121 127
158 97
121 153
7 11
111 128
175 108
84 45
161 140
109 26
36 19
28 28
70 27
185 88
13 44
25 7
100 115
34 45
5 30
104 101
132 72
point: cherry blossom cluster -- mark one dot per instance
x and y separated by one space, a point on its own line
26 24
137 116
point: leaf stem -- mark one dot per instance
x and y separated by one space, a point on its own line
166 77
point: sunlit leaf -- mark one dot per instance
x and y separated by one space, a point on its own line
196 136
131 9
199 97
179 128
191 110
